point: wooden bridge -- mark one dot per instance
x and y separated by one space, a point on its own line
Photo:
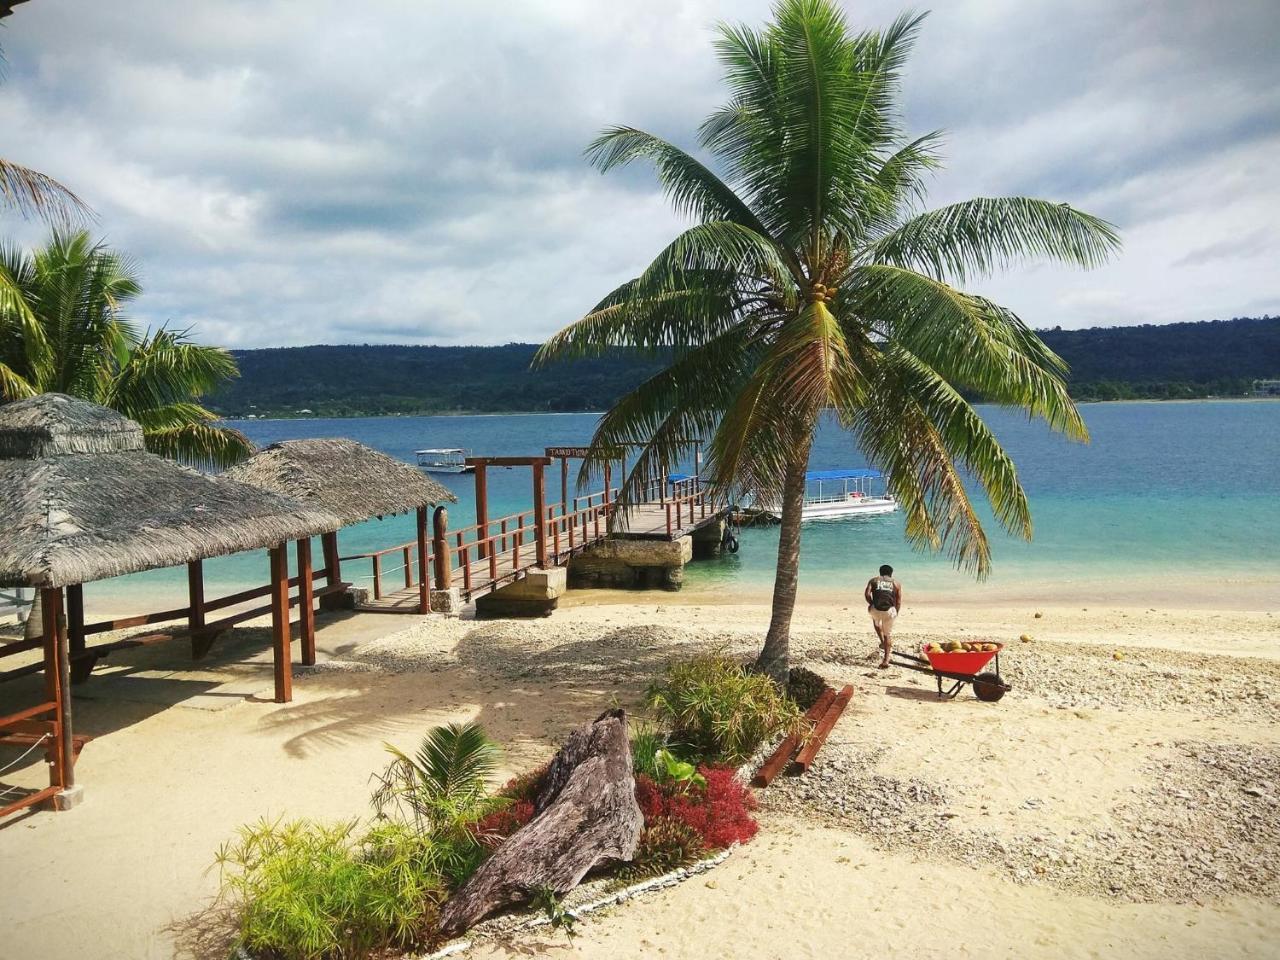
490 553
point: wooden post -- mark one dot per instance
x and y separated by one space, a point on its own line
424 598
280 626
564 485
482 509
540 514
608 479
408 567
306 602
332 573
75 634
440 548
57 689
329 545
195 595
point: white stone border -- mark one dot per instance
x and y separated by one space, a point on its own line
671 879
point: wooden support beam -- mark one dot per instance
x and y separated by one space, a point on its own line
332 569
540 513
424 592
200 642
57 687
564 485
440 548
280 626
506 461
306 602
76 633
482 508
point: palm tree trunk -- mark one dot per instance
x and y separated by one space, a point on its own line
775 658
35 617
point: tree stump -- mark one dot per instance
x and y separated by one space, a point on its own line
585 815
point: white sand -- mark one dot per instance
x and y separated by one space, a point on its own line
127 873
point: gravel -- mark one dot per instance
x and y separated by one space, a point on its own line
1210 828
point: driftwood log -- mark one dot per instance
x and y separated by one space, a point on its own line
585 814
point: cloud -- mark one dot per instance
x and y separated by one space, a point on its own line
397 171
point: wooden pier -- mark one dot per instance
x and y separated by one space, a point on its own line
491 553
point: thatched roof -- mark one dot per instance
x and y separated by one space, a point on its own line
345 478
82 500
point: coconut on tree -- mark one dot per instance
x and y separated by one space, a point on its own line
813 280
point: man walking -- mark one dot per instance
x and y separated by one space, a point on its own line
884 600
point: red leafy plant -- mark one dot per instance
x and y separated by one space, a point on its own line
720 811
520 791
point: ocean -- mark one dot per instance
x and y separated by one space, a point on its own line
1177 491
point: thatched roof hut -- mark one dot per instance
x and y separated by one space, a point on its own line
342 477
83 500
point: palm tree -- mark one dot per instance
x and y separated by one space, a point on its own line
64 332
812 280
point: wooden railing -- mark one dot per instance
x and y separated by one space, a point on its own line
685 506
482 556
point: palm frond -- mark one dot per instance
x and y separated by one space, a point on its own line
974 343
976 237
200 444
34 194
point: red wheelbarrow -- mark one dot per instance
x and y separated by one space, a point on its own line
960 667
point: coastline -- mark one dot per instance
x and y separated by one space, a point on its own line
577 413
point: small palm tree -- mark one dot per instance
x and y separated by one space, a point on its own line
813 281
64 331
446 783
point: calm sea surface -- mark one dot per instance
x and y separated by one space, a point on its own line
1170 489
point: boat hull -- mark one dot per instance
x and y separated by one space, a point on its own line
838 508
850 507
445 468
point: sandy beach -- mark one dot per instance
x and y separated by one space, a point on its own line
1123 799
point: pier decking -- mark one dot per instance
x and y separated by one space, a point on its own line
489 554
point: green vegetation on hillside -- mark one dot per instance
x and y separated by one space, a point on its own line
1178 360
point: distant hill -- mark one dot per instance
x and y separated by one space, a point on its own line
1217 358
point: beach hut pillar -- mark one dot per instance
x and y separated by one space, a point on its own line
482 510
306 602
424 591
540 512
280 626
332 570
57 691
81 666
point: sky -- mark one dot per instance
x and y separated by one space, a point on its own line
287 172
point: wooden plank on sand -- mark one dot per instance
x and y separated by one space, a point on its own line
770 769
819 736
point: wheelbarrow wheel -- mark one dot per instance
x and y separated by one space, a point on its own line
988 687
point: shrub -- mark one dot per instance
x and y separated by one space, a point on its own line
525 786
804 687
722 710
665 844
312 891
442 792
719 811
492 829
645 745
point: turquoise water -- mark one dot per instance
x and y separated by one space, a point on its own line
1173 489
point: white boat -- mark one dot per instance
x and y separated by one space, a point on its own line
444 460
835 494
